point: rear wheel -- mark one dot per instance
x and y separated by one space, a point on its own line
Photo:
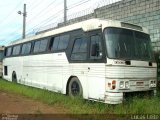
75 88
14 77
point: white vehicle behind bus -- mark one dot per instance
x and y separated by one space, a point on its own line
1 59
102 60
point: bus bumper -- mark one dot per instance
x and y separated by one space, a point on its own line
113 97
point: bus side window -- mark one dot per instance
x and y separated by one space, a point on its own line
63 43
40 46
59 43
55 43
5 70
79 51
43 45
8 51
36 46
16 50
26 48
96 40
1 55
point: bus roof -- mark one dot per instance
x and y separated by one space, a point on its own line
87 25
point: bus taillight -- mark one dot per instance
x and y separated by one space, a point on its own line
113 84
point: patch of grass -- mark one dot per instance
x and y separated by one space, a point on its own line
77 105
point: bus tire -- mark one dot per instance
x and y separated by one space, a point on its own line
75 87
14 77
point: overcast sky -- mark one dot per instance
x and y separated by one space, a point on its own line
40 14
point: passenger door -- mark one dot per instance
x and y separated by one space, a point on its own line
96 67
79 61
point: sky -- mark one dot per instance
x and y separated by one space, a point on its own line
41 14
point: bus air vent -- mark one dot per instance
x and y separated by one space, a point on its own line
127 25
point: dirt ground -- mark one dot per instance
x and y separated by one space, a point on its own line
13 104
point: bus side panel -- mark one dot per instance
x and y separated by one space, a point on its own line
96 81
46 71
80 70
92 80
13 64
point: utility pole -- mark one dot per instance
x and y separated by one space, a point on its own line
24 13
65 11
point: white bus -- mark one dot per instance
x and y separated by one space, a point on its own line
101 60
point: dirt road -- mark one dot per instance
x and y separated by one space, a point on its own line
13 105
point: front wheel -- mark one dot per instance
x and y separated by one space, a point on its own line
75 88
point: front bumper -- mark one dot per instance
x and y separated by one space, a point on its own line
113 98
119 97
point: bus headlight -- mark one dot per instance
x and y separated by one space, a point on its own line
124 85
121 84
152 83
127 84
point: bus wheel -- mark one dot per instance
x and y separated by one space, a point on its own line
75 88
14 77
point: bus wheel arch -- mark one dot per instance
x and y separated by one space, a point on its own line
14 77
73 81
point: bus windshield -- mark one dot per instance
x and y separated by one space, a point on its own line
128 44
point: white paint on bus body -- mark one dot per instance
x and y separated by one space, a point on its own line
52 70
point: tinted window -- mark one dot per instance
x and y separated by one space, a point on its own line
16 50
60 42
79 51
40 46
143 46
128 44
5 70
8 51
36 46
1 55
55 43
96 40
63 42
26 48
43 45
